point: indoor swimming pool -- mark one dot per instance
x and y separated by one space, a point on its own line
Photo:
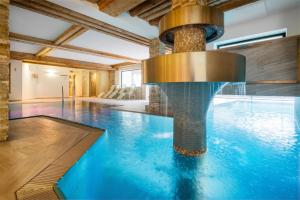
253 152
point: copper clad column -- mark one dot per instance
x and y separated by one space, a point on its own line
191 76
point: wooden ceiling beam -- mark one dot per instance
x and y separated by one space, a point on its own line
117 66
158 11
62 62
53 10
93 1
49 44
155 22
232 4
146 6
116 7
153 10
164 5
215 2
161 13
71 33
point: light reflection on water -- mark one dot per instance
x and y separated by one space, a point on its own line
253 153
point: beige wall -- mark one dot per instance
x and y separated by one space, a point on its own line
102 81
112 80
78 84
83 82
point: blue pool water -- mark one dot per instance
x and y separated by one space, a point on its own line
253 153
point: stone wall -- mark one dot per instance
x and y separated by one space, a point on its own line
156 48
4 69
158 102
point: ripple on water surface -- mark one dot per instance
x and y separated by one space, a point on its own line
253 153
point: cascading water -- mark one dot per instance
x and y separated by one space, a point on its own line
234 89
190 102
240 89
191 76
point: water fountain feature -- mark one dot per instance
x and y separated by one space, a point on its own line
191 76
234 89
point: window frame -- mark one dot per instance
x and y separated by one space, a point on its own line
257 37
128 71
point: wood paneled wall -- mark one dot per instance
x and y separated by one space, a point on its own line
111 77
298 55
4 68
272 67
275 60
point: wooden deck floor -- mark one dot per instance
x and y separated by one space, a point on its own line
39 151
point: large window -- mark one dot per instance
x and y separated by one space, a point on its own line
251 39
131 78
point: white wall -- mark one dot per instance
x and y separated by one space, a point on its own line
48 82
289 19
47 86
31 81
15 80
28 89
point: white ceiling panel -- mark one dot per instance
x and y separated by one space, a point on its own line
273 6
103 42
33 24
245 13
258 9
84 57
124 21
22 47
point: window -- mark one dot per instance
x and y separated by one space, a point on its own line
251 39
131 78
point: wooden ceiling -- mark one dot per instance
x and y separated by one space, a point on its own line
54 45
149 10
117 7
153 10
53 10
81 23
61 62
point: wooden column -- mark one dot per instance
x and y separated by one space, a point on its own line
4 69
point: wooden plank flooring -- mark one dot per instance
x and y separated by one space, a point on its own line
39 151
